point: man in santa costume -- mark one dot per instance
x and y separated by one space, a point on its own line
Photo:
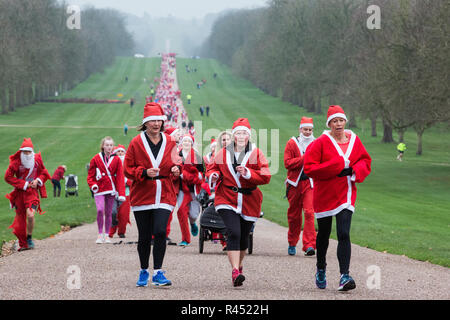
238 170
106 180
152 162
336 161
299 190
119 224
27 174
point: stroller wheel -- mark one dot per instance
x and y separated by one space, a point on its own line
201 239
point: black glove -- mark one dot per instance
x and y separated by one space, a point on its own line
346 172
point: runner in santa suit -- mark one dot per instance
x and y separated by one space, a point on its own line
336 161
107 182
299 190
123 211
190 185
152 162
175 134
27 174
207 159
238 169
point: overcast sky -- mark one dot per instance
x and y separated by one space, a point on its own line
187 9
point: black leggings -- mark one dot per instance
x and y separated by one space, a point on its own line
238 230
152 223
343 222
56 185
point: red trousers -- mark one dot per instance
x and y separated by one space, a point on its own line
123 217
301 199
23 201
183 218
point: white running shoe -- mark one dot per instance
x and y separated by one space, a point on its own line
99 239
106 238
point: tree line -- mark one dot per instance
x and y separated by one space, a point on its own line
317 52
41 55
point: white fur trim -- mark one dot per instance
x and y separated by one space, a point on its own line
40 183
163 118
336 115
25 186
238 128
306 125
153 206
26 149
94 188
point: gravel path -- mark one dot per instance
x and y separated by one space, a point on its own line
109 271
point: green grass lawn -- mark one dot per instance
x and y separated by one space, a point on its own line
402 207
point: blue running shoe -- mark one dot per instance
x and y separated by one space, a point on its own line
292 250
194 230
160 279
183 244
346 283
30 243
143 279
321 279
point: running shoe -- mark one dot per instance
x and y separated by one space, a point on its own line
292 250
143 279
106 238
321 279
99 239
30 243
194 230
237 278
346 283
160 280
310 252
183 244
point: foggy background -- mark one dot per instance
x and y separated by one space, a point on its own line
178 25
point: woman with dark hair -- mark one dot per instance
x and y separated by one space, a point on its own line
336 161
152 162
238 169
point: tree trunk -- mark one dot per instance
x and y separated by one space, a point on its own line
12 99
387 133
373 123
319 104
352 120
401 134
3 101
419 142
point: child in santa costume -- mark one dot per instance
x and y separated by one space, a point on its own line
119 224
27 174
190 185
238 170
152 162
336 161
207 159
299 190
107 182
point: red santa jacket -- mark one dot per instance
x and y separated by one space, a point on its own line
146 193
19 177
59 173
248 205
192 173
323 162
293 162
106 178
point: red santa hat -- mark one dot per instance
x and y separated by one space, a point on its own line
188 137
213 142
27 145
335 112
153 111
171 130
119 148
241 124
306 122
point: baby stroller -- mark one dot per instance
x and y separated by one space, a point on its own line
71 185
211 222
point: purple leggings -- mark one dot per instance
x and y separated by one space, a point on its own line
104 205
